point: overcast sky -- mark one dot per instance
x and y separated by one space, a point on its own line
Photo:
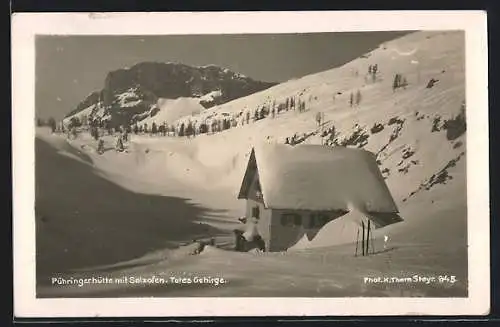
68 68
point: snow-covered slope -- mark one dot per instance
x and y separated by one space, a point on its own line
416 131
170 110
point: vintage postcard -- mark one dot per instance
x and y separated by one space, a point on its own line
250 164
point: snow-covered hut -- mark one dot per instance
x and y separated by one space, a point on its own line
293 191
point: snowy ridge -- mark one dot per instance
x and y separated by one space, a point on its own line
130 94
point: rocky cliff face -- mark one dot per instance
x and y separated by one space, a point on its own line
132 94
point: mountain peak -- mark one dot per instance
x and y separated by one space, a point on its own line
130 92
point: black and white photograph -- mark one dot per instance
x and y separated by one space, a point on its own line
301 164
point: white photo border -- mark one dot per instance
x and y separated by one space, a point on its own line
26 25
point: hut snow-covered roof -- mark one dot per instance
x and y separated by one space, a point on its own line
317 177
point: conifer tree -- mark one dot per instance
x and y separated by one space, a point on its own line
261 113
181 130
319 118
203 128
396 82
189 131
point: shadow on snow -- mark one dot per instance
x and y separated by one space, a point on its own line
83 220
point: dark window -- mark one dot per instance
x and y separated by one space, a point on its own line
312 220
256 212
290 219
318 220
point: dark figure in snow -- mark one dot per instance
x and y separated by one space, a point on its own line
287 141
259 243
431 83
119 144
239 240
200 246
94 133
397 82
74 132
374 72
100 146
125 136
